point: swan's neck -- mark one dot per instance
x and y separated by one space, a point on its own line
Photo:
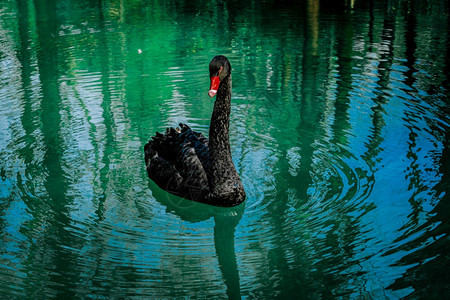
220 122
223 170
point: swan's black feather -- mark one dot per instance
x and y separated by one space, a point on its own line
162 172
176 162
199 143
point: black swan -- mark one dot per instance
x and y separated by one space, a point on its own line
185 163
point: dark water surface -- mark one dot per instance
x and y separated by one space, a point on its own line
340 130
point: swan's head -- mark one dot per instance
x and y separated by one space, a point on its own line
219 69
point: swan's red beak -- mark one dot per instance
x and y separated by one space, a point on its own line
215 81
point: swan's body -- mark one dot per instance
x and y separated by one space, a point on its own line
186 163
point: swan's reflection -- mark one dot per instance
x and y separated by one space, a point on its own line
226 221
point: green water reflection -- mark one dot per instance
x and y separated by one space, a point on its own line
339 130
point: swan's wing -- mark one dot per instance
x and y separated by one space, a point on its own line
191 168
161 171
173 157
165 145
199 143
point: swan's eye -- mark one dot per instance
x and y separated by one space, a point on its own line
217 74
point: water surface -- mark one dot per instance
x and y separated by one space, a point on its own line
340 131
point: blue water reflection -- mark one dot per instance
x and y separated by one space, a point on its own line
339 130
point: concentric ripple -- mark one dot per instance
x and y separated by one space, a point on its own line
339 130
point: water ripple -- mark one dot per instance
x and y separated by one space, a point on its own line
339 131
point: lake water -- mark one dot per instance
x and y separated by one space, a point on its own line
340 130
